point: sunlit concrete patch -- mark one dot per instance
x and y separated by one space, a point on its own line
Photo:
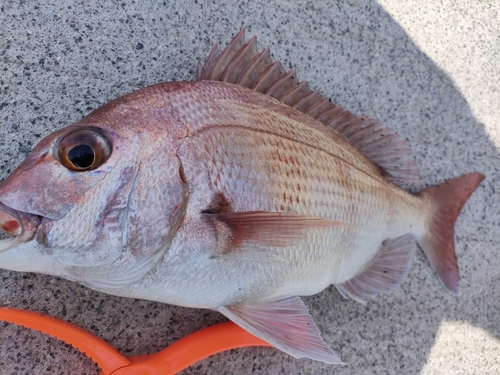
460 40
459 346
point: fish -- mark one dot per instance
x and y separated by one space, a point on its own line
239 192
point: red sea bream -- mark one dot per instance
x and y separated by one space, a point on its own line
237 192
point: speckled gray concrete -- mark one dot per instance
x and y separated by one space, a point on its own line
430 71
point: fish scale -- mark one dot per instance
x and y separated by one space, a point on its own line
364 205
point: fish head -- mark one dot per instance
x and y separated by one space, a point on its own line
59 203
74 207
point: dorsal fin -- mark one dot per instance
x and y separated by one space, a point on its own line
242 64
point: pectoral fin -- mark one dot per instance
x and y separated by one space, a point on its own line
385 273
257 230
286 324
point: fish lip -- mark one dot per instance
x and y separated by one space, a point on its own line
21 226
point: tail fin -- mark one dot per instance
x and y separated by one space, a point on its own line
447 200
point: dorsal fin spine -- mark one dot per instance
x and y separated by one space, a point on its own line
304 103
326 116
294 94
280 86
316 109
262 84
259 64
208 66
340 123
227 55
249 48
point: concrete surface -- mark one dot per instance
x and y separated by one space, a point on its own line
428 69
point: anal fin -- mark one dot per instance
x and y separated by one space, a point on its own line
286 324
385 273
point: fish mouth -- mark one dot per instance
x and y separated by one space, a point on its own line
19 226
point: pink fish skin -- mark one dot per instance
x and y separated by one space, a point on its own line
238 192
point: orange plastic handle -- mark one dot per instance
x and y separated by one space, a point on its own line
191 349
169 361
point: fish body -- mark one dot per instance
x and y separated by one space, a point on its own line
279 164
221 194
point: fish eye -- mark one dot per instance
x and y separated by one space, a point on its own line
83 150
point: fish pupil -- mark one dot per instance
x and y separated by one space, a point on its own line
82 156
